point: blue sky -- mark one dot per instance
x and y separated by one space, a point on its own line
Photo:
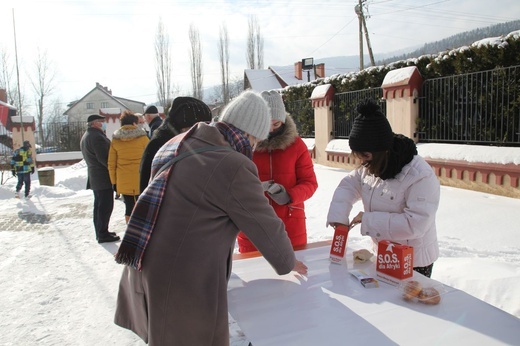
111 41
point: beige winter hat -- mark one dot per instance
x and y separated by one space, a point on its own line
275 102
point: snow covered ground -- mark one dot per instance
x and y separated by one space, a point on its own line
59 286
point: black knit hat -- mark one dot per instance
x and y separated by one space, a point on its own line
371 131
151 110
187 111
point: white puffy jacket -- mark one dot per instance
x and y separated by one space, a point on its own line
402 209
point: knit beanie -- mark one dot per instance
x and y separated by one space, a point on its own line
151 110
371 131
275 102
186 111
250 113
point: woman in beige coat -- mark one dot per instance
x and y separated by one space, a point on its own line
124 159
179 252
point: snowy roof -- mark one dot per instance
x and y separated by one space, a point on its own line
261 80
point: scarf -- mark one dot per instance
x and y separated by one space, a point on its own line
144 215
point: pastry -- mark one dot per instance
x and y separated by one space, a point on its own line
362 255
411 290
429 296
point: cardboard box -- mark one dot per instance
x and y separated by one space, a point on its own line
394 262
339 244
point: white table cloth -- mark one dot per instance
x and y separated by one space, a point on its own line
331 307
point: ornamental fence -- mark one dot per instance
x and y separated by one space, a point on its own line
481 108
475 108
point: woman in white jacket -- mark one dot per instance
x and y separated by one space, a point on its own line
398 188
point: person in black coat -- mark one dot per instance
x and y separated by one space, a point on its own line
151 115
94 147
184 113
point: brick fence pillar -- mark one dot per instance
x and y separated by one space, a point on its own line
401 90
322 97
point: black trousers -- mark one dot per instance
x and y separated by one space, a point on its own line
103 206
129 203
426 271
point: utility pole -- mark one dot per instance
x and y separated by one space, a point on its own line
363 27
18 79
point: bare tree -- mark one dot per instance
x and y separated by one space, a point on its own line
196 62
163 66
43 85
223 50
56 111
236 86
255 45
7 82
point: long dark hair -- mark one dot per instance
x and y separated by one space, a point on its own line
377 165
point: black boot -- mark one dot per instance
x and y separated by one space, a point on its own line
107 238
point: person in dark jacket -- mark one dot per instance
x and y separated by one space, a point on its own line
22 166
184 113
151 115
95 147
179 243
287 173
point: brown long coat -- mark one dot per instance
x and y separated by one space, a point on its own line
180 297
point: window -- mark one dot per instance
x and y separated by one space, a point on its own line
90 105
104 104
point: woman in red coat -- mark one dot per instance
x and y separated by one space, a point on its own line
287 173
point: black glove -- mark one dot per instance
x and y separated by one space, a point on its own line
14 172
115 188
32 170
278 193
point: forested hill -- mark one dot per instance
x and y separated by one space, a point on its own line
463 39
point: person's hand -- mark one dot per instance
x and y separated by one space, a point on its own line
278 194
14 172
115 188
356 220
300 268
32 170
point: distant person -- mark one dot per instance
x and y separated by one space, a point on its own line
22 166
94 147
184 113
124 157
151 115
179 243
142 123
398 188
286 170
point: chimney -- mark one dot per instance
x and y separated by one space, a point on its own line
320 70
298 70
3 95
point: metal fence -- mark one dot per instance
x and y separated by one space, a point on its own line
303 115
59 137
344 110
475 108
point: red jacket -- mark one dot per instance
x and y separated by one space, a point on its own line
286 160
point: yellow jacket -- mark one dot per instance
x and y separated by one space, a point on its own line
124 158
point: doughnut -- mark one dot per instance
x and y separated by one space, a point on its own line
412 289
429 296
